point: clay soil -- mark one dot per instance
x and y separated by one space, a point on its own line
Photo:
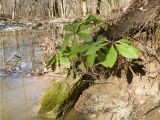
134 96
115 98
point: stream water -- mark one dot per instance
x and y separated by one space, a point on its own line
19 54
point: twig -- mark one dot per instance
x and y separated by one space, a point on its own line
105 83
147 21
151 110
145 106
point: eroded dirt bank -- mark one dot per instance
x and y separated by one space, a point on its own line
135 97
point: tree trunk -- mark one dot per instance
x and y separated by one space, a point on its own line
84 7
55 8
62 7
98 7
139 14
14 9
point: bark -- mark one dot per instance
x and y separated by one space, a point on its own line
14 10
62 7
98 7
137 16
84 7
55 9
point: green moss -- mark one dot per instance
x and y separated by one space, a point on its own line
61 97
54 98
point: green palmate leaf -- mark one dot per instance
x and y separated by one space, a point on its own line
94 29
57 59
85 36
51 61
101 38
92 18
94 49
64 62
67 28
75 26
128 51
67 37
54 64
124 40
83 28
91 59
91 50
74 49
83 48
101 56
86 17
99 41
110 58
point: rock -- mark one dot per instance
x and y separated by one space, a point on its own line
153 68
105 101
61 97
52 100
140 91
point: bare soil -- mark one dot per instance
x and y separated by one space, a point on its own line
115 99
139 15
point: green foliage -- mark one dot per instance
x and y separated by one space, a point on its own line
111 58
127 50
78 45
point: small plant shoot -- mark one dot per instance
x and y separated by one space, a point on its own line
80 47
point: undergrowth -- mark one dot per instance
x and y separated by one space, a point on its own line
80 52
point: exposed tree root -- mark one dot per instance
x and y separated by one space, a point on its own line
140 15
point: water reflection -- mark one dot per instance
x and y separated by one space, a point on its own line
19 53
75 115
19 97
20 49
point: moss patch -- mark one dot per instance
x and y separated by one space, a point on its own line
53 99
61 97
